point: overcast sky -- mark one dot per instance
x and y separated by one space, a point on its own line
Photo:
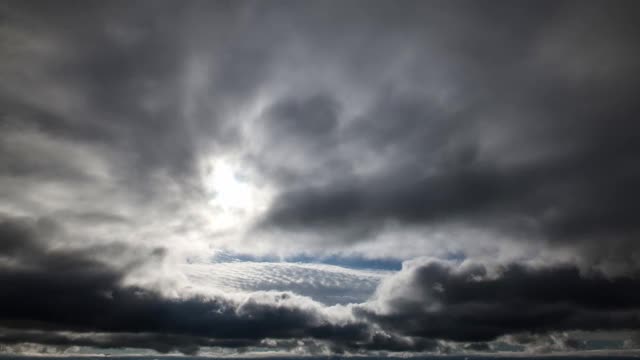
319 177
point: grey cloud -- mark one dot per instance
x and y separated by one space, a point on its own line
311 118
521 147
516 119
298 134
472 302
49 289
120 76
162 343
468 113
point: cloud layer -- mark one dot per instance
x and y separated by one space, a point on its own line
472 302
74 291
491 147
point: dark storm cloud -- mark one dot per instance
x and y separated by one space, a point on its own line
299 131
163 343
319 112
434 299
48 290
537 136
122 76
63 298
64 290
511 117
501 112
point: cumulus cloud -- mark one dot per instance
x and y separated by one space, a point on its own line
71 297
65 290
476 302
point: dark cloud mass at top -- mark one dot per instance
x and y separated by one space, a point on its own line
491 146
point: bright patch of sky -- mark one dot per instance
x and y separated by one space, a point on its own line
322 281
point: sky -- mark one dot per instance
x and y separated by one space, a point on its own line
280 177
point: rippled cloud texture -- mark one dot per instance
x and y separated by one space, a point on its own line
319 177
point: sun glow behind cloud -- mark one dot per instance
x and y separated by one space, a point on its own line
235 200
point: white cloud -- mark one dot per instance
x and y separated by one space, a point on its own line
324 283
